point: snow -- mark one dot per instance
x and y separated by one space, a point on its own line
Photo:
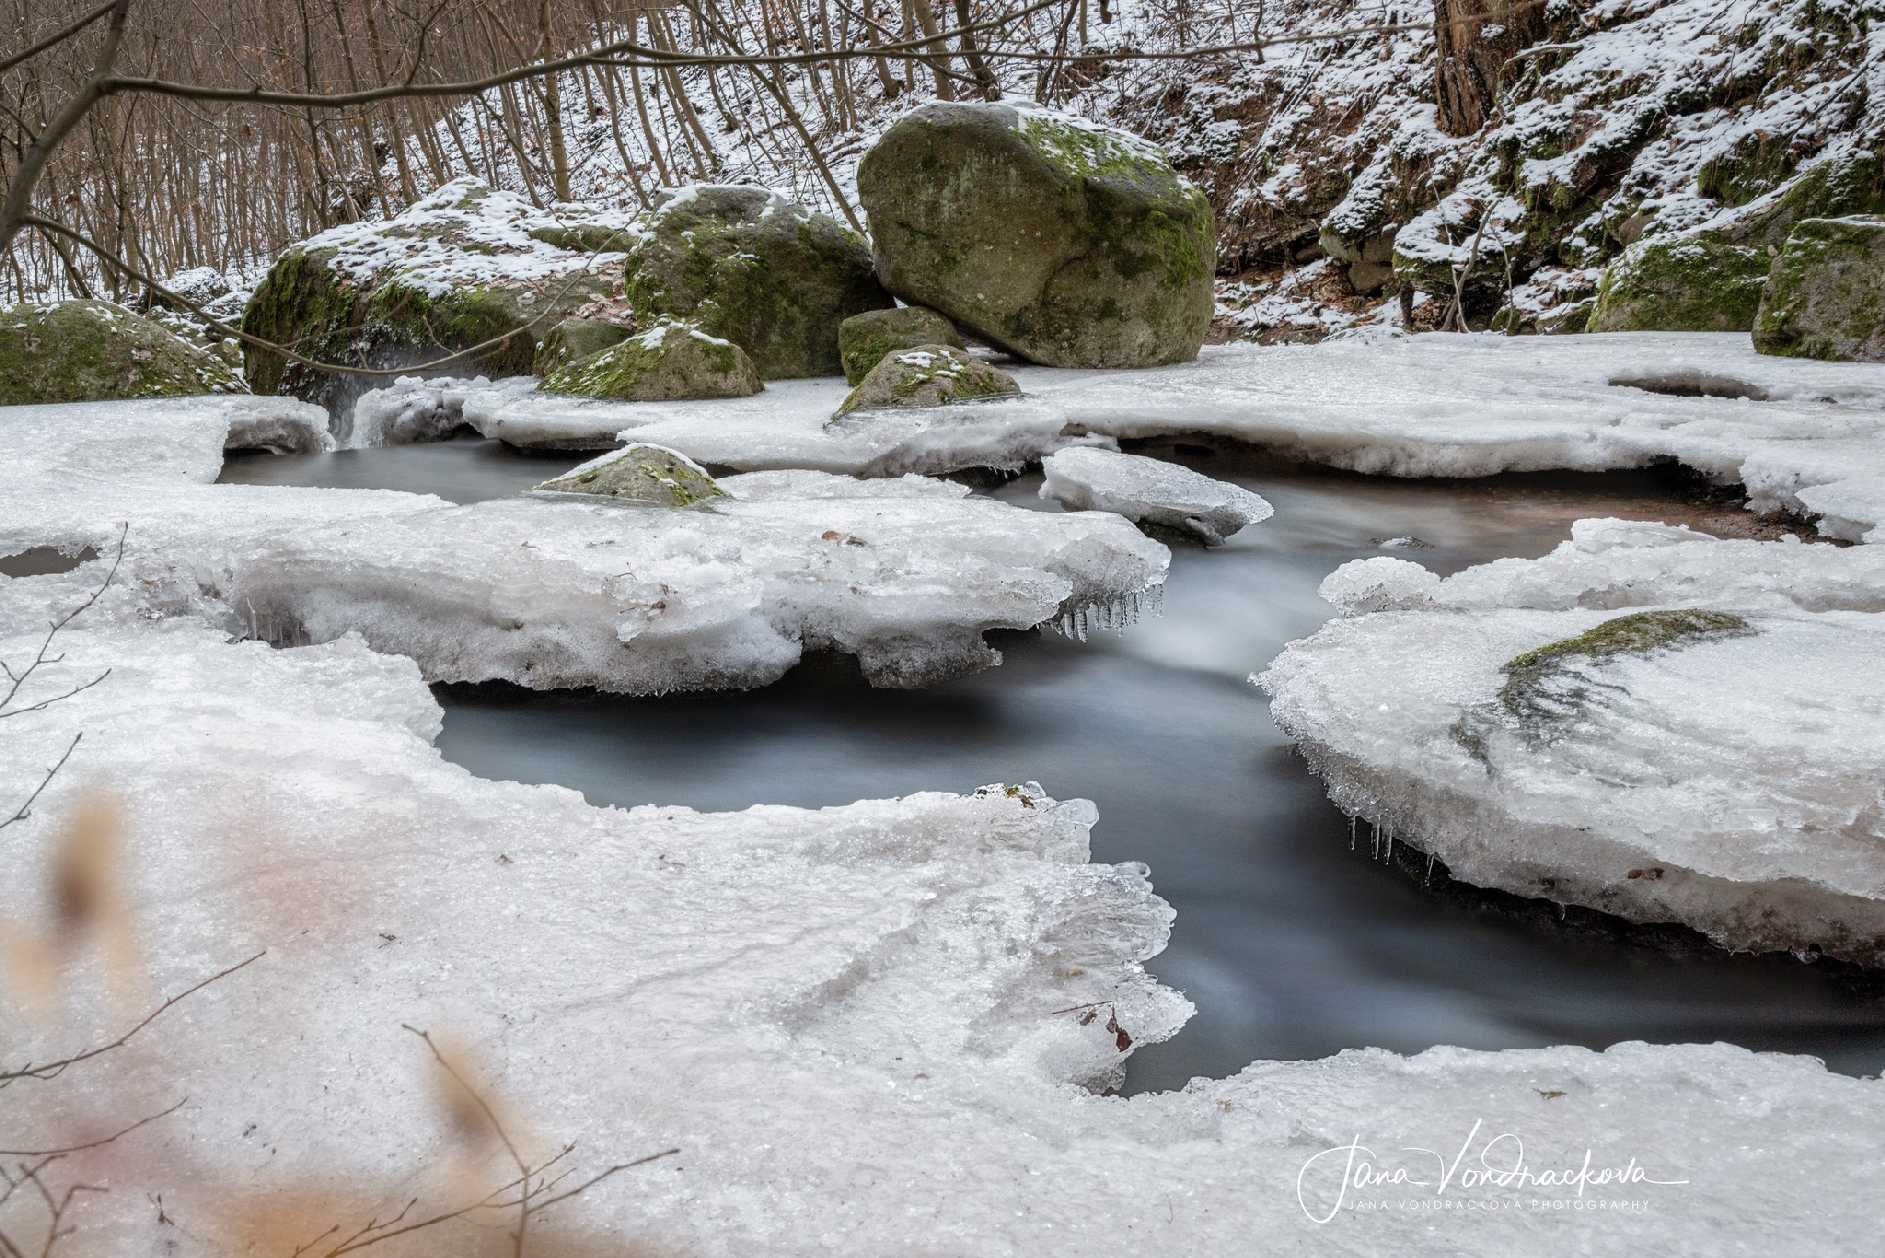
581 593
1731 781
466 233
849 1021
1150 491
1431 405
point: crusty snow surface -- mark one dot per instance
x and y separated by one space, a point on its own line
851 1022
1733 782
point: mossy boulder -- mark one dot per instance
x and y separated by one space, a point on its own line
575 338
95 351
928 375
465 267
1825 296
751 267
651 475
864 339
1057 239
1698 284
670 362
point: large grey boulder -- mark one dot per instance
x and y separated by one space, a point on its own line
1825 296
864 339
670 362
928 375
1057 239
95 351
747 265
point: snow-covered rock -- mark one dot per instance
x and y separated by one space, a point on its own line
1151 492
864 1028
564 592
1647 721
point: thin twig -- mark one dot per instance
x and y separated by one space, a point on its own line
52 1069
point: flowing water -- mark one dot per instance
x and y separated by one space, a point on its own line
1292 938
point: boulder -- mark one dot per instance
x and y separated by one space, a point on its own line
577 337
928 375
467 266
670 362
95 351
652 475
1837 187
1825 296
748 265
1059 240
864 339
1697 284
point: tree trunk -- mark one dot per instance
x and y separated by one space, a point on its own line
1473 39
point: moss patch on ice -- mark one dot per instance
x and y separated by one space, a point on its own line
1528 675
95 351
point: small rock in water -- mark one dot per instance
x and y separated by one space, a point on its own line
1401 543
654 475
1150 493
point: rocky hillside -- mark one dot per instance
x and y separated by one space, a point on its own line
1339 177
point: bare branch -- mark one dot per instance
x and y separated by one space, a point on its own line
52 1069
95 1144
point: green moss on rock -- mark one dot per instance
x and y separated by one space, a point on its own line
1834 188
1825 295
670 362
1530 677
928 375
650 475
864 339
464 267
576 338
749 266
1700 284
95 351
1059 240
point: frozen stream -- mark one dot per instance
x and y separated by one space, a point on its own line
1291 942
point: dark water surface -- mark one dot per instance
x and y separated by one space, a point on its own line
1292 942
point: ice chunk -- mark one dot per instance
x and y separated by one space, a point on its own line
865 1028
1151 492
1652 723
154 441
